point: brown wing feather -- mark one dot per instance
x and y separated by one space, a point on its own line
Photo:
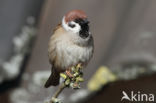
58 26
53 79
52 53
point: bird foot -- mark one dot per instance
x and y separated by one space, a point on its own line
68 72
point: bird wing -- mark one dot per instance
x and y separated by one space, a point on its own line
58 26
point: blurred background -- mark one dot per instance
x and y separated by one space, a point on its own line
124 33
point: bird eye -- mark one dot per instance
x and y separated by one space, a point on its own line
71 25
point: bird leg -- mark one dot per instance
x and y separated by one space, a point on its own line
69 74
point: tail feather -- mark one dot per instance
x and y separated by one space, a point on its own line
53 79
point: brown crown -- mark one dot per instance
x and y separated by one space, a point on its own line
75 14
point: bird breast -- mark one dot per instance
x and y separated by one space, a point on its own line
67 54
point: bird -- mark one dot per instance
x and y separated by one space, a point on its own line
70 44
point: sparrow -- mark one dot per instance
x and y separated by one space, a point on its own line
70 44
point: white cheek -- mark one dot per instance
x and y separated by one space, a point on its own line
76 29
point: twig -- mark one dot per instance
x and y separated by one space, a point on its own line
73 82
60 89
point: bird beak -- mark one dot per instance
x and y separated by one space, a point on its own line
86 21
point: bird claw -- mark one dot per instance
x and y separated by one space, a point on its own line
68 72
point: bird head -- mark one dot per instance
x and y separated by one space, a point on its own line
76 21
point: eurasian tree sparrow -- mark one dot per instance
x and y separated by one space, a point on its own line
70 44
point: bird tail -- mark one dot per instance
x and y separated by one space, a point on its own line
53 79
